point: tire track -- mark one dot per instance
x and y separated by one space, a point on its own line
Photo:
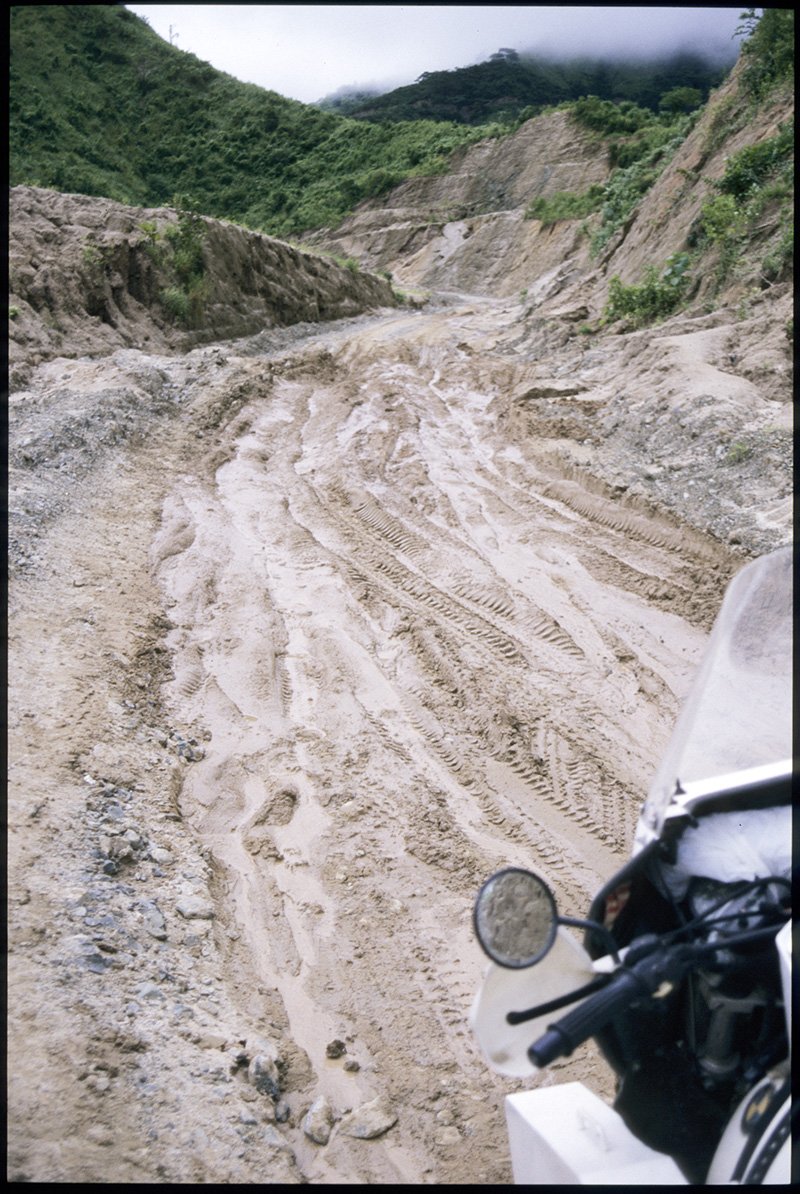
450 652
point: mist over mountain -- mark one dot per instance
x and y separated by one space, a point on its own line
511 81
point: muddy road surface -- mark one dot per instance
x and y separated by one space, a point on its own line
298 658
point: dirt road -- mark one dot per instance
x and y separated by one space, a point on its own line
298 657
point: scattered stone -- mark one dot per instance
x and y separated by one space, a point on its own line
210 1039
446 1137
370 1119
130 1041
182 1011
335 1049
153 918
193 907
318 1121
160 855
100 1134
263 1074
149 991
190 751
273 1138
352 1066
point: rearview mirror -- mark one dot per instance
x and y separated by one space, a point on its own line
515 918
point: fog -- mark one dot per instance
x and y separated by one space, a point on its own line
307 51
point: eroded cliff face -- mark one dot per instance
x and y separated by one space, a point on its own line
466 230
86 277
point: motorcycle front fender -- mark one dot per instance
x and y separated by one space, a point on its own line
565 968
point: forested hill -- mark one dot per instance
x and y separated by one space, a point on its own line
101 105
510 85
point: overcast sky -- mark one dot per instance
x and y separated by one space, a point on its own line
308 51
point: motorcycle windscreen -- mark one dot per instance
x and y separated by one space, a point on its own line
738 714
566 967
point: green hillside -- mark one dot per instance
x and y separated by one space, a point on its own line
510 84
100 105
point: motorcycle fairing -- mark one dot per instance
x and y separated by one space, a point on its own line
564 969
732 742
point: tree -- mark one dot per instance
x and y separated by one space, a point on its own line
768 50
680 99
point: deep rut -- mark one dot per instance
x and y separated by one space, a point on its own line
419 652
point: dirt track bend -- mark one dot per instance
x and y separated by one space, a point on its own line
413 651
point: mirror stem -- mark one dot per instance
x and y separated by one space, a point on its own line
593 927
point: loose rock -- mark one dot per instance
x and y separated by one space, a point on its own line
318 1121
370 1119
195 908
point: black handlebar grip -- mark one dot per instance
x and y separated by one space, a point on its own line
590 1016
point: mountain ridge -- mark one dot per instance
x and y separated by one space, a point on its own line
510 85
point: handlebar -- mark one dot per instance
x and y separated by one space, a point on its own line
648 967
629 985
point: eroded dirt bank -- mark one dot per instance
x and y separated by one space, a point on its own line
328 626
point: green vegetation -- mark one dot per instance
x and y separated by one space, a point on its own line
632 179
681 99
565 205
100 105
640 146
758 179
185 299
738 453
605 117
511 87
747 170
641 142
768 51
654 298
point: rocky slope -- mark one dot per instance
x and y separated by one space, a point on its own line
694 406
84 279
465 230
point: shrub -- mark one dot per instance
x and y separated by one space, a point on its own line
654 298
757 178
718 217
566 205
186 238
175 302
630 182
92 257
779 261
605 116
738 452
747 169
681 99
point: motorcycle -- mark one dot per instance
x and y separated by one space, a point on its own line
683 974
